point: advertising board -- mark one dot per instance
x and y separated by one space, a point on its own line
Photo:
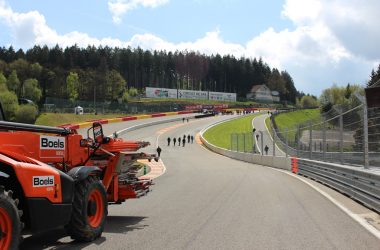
219 96
192 94
189 94
160 93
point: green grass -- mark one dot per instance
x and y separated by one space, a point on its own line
56 119
220 135
291 120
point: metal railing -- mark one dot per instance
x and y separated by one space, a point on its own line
349 137
360 185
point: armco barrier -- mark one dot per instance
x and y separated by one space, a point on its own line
361 185
270 161
121 132
122 119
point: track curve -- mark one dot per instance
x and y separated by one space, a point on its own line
208 201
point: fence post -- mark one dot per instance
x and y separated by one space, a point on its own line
244 142
298 141
231 142
274 142
324 140
341 137
365 134
262 143
237 142
310 140
286 142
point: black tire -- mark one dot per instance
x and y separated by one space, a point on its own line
9 219
83 226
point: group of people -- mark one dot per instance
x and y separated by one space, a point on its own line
190 138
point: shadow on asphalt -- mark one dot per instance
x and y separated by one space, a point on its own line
58 238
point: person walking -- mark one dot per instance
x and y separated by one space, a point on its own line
179 141
266 149
188 138
183 141
174 140
169 141
192 139
158 151
183 119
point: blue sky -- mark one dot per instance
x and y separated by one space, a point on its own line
319 42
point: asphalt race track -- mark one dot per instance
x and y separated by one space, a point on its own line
208 201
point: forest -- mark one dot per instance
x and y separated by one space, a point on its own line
78 73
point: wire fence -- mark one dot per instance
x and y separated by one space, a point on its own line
350 137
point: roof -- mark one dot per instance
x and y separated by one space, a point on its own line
256 88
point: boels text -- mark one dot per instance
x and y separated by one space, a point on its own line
43 181
52 142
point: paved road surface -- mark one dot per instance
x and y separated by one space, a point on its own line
208 201
259 124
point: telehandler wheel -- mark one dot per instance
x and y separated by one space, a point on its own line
89 210
10 225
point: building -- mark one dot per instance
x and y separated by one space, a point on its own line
263 93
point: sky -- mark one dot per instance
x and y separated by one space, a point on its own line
318 42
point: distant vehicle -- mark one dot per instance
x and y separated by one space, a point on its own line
24 101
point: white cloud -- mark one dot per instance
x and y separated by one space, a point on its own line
120 7
332 42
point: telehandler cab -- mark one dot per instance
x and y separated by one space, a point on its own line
52 177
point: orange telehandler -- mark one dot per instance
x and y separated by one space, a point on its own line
52 177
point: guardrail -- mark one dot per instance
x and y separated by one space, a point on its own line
143 125
360 185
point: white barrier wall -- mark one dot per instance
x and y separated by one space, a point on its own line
265 160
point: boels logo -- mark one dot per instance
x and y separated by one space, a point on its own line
52 143
43 181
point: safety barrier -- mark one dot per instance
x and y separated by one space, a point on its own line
122 119
360 185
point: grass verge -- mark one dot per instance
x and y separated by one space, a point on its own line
290 121
220 135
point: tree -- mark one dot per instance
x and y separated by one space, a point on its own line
375 77
9 102
340 96
31 90
26 114
3 83
308 101
132 92
115 85
13 82
72 85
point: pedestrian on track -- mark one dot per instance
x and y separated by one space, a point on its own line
192 139
266 149
179 141
169 141
183 141
158 151
174 140
188 138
